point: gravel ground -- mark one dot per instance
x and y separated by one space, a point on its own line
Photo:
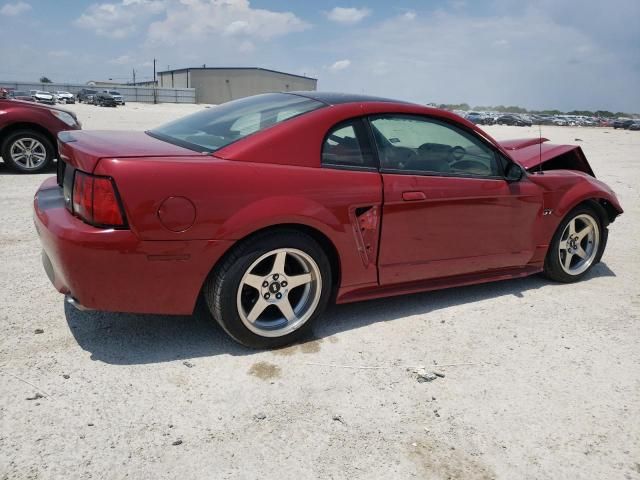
540 380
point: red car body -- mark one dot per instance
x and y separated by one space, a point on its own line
385 233
29 116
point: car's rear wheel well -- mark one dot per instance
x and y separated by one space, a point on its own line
25 126
327 246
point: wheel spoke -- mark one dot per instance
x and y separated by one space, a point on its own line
572 227
563 245
287 310
581 253
257 309
567 260
253 281
20 144
298 280
278 263
585 231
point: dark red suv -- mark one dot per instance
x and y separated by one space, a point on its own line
28 133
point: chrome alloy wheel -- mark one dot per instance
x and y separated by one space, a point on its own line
279 292
28 153
579 244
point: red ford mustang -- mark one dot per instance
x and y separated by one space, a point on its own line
272 206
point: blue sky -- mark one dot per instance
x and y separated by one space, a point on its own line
567 54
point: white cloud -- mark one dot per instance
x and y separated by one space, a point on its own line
340 65
119 20
121 60
13 9
349 15
526 59
60 53
458 4
200 19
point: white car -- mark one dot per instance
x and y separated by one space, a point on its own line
117 96
43 97
64 97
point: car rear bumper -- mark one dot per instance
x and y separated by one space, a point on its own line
112 270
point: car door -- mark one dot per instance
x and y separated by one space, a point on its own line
448 210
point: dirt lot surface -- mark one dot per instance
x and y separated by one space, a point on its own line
542 380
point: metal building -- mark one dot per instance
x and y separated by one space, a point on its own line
218 85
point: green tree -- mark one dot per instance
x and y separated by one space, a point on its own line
45 80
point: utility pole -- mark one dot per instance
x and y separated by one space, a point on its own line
155 93
134 76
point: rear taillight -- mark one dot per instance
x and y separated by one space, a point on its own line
95 200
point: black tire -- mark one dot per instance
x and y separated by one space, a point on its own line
552 266
221 289
14 137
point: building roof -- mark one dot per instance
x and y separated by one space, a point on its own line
103 82
236 68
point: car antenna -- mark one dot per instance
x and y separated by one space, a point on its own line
540 172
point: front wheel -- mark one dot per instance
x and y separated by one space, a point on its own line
577 245
269 290
27 151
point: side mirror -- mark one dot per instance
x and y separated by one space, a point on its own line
513 172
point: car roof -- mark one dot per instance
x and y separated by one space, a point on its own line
335 98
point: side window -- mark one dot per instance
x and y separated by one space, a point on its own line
347 145
418 144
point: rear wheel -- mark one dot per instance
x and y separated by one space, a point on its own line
577 245
27 151
269 290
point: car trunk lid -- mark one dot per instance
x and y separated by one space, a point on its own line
83 150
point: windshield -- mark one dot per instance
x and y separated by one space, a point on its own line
214 128
113 92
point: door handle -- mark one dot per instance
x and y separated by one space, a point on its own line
413 196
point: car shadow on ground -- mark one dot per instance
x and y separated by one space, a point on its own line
130 339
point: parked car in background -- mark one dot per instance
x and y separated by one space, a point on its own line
269 207
623 123
635 125
117 96
514 120
104 100
84 94
542 119
65 97
21 95
28 131
474 117
41 96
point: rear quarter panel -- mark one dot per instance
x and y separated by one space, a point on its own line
234 199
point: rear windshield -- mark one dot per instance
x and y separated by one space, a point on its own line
217 127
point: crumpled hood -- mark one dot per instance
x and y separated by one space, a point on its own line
534 153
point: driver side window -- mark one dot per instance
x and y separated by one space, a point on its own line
416 144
